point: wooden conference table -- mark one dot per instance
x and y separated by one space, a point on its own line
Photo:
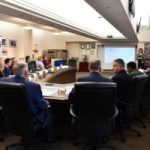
57 95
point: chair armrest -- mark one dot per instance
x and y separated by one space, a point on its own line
124 103
72 111
1 108
115 114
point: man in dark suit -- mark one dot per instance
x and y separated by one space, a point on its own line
34 95
7 70
121 78
132 69
94 76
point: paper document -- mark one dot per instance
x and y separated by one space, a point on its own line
49 91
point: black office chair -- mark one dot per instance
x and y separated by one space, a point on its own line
18 118
145 104
95 108
32 66
130 108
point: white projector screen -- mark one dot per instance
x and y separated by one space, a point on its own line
112 53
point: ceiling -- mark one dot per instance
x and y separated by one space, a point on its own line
26 23
113 11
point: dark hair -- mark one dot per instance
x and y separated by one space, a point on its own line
131 64
7 60
140 49
27 58
120 61
95 65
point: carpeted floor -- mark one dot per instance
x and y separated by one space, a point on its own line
133 142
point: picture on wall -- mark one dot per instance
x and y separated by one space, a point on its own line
0 43
82 46
13 43
87 46
93 45
4 42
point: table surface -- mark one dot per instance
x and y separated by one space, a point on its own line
53 91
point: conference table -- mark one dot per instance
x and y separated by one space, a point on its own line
57 95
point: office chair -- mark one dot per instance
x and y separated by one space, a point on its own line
18 118
145 104
130 108
95 107
32 66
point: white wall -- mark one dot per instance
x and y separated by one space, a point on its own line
13 32
26 40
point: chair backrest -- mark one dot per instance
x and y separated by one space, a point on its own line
32 65
136 88
134 96
146 92
95 100
15 107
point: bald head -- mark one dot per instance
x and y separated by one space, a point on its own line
95 65
20 68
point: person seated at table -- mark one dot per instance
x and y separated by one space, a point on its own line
147 71
36 101
1 67
27 59
13 61
132 69
39 64
121 78
46 62
94 76
7 70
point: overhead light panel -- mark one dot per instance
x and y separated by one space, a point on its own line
28 27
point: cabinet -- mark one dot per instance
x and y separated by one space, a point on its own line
56 53
84 66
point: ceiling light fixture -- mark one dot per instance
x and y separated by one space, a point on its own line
28 27
56 33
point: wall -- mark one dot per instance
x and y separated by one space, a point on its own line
26 40
13 32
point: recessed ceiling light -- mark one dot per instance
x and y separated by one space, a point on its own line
28 27
56 33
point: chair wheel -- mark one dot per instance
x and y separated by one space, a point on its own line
123 140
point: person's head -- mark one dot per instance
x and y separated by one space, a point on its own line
21 69
118 65
131 66
13 60
140 50
1 64
39 58
45 57
95 66
27 59
7 62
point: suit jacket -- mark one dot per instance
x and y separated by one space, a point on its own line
7 71
1 74
135 73
34 96
122 79
92 77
